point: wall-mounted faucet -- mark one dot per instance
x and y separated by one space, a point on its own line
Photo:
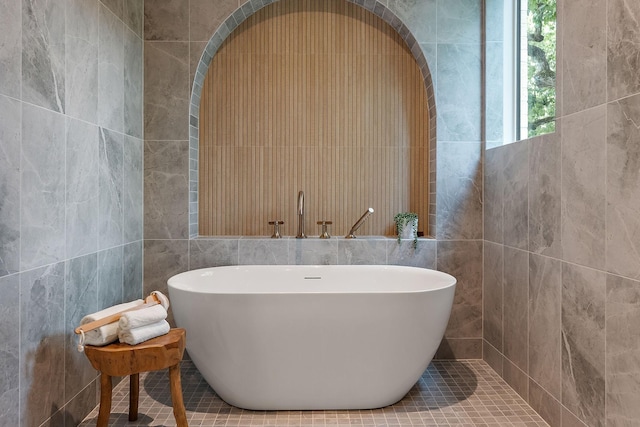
358 223
301 234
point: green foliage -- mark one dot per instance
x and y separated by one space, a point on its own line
403 218
541 84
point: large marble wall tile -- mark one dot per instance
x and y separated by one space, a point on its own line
81 50
623 187
115 6
492 294
494 94
463 260
9 350
166 90
206 16
584 59
516 378
195 53
110 194
110 276
430 51
544 195
42 209
218 252
403 253
545 404
570 420
583 187
132 271
493 357
583 342
162 260
313 251
459 197
111 71
493 64
10 136
623 351
43 53
133 189
80 299
419 16
516 190
516 301
276 251
493 194
11 48
134 16
81 404
459 348
166 20
459 21
166 189
133 84
623 42
458 92
42 340
353 251
81 188
545 321
494 20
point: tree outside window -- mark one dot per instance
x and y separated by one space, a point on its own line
538 67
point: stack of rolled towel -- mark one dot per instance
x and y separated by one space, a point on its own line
133 327
108 333
141 325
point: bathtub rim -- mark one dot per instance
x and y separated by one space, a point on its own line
179 281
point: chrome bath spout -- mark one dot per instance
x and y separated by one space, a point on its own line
358 223
301 234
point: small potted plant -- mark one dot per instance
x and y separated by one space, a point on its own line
407 226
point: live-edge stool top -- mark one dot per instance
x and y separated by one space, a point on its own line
121 359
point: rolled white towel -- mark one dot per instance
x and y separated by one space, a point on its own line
108 333
144 333
142 317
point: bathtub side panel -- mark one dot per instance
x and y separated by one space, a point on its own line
312 351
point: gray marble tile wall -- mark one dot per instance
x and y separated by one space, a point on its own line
447 33
71 208
561 226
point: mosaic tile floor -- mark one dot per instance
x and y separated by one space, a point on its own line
450 393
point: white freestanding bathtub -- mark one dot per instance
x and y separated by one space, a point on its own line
295 337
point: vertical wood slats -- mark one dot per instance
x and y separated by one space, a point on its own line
319 96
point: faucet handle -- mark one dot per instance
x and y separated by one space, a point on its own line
276 228
324 234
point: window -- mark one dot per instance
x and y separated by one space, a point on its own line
520 53
537 67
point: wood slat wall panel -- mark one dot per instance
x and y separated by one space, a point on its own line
319 96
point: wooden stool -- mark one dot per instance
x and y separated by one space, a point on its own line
123 359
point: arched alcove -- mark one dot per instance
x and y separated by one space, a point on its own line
227 29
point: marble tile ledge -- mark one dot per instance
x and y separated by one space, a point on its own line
246 250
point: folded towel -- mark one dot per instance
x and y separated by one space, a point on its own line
144 333
108 333
142 317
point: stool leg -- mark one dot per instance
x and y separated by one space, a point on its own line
134 392
176 396
105 401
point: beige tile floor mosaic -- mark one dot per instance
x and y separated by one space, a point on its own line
450 393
